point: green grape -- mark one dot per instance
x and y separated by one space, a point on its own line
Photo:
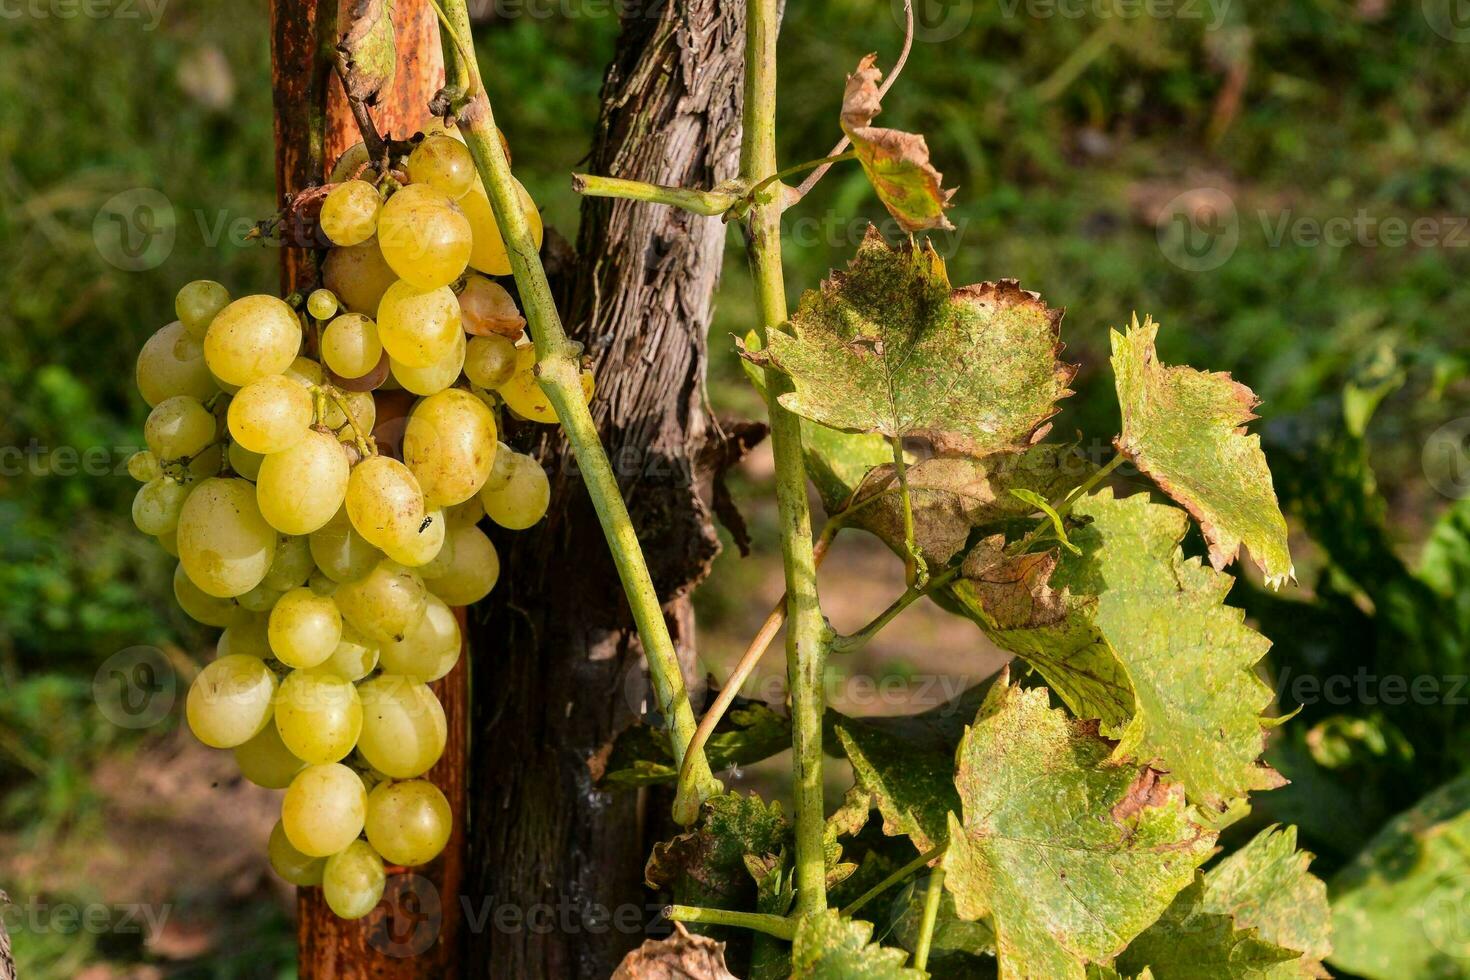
522 501
429 650
487 310
424 236
408 823
470 511
259 599
179 427
490 361
265 760
252 337
230 701
436 377
354 658
385 603
403 726
501 468
443 163
353 881
172 363
290 864
359 276
209 461
202 607
324 809
169 542
350 345
292 565
488 254
321 304
225 545
384 501
198 303
421 547
157 505
320 584
350 163
319 715
270 414
350 212
417 327
244 462
304 628
247 637
340 552
472 573
449 446
143 466
300 489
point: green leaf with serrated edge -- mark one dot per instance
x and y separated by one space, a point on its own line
897 163
1398 910
1059 528
1146 645
952 495
1190 942
889 347
829 947
706 865
369 49
1068 851
1266 886
913 789
1186 430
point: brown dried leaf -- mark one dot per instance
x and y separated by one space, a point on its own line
682 956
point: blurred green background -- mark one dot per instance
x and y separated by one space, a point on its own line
1089 142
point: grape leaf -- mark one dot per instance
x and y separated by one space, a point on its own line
1070 853
912 787
829 947
1145 644
1186 430
642 755
1190 942
951 933
369 49
897 163
679 956
1265 886
706 865
889 347
1399 908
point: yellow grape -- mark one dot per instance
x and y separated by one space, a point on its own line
244 462
340 552
490 361
473 570
523 395
436 377
417 327
488 254
521 501
225 545
143 466
470 511
292 565
354 658
384 501
265 760
421 547
350 163
449 446
364 412
293 867
197 303
179 427
306 372
444 560
403 726
443 163
487 310
324 809
169 542
202 607
260 599
300 489
319 715
270 414
431 648
321 304
408 823
230 701
353 881
350 345
424 236
157 505
359 275
350 212
252 337
385 603
172 363
304 628
320 584
247 637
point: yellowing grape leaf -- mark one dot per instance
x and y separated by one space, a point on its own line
829 947
912 786
369 49
1189 940
1070 853
1186 430
889 347
1266 886
897 163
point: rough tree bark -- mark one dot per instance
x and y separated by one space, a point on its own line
555 868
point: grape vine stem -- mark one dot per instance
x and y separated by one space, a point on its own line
772 925
559 374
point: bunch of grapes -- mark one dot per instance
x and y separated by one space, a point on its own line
319 468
